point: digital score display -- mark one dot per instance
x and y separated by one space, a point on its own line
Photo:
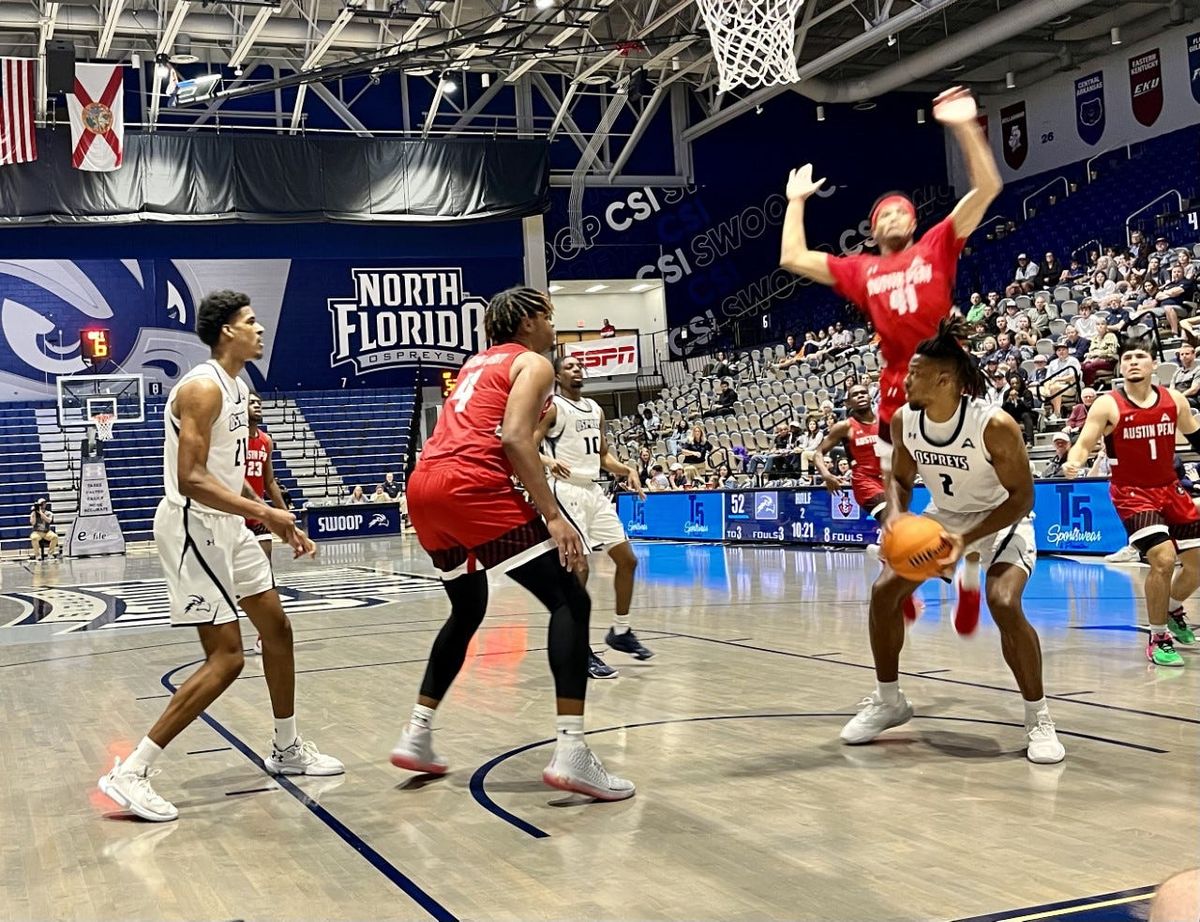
798 517
95 345
449 379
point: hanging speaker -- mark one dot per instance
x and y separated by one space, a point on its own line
60 66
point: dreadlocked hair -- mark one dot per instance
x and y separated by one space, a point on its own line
507 309
948 346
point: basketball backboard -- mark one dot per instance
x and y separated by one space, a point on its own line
80 397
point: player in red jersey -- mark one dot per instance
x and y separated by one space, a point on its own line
260 477
1139 422
470 518
906 290
859 431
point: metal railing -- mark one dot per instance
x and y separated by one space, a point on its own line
1055 181
1147 207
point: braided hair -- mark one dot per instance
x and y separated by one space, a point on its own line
506 310
947 346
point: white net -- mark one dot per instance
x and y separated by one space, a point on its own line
754 41
104 426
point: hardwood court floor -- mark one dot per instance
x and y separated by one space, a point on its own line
747 806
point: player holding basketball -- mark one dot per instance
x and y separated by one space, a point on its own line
1139 422
971 456
907 289
260 477
213 563
574 450
470 518
859 432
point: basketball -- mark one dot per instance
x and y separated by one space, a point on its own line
913 544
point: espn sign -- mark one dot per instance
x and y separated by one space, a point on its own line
617 355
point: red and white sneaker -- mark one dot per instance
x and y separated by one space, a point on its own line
414 753
966 612
576 769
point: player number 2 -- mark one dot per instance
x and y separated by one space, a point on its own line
947 484
237 455
464 389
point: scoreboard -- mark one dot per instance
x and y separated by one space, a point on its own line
798 517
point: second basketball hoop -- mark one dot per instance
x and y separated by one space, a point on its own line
754 41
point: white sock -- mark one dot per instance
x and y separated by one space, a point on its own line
1156 629
422 717
285 731
889 692
970 574
1033 708
144 756
1175 605
621 623
570 729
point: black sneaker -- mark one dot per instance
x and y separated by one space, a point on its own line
598 669
627 643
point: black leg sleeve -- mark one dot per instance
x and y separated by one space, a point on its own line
570 612
468 602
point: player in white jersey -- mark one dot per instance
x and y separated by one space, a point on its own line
574 450
212 561
972 458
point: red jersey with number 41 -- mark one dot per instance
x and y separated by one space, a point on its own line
467 433
1141 447
905 295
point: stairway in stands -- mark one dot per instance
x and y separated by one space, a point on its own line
300 462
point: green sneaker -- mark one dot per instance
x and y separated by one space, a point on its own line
1161 651
1177 622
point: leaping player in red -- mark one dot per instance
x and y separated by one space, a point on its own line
907 290
1139 421
859 431
260 475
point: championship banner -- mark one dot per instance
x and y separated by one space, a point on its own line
95 529
1089 107
1193 52
617 355
96 110
1145 87
1014 134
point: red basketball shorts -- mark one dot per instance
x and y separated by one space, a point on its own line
465 521
868 493
1145 511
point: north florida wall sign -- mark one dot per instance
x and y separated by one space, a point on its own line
406 318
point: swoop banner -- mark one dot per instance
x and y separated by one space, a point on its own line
617 355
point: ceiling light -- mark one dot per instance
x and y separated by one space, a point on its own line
554 288
891 40
594 288
485 79
865 105
543 4
1010 80
1115 35
920 116
448 84
643 286
820 113
956 68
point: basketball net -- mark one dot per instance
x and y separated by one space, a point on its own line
754 41
104 426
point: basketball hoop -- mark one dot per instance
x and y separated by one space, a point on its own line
104 426
754 41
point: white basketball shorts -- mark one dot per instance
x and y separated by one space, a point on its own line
1016 544
591 512
210 561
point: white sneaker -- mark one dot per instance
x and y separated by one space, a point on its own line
131 791
875 717
575 768
1127 554
302 758
414 752
1044 747
258 647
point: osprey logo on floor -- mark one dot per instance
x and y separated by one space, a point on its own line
406 317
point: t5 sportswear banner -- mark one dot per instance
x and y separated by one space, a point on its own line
328 323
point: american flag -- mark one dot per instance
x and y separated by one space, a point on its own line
18 144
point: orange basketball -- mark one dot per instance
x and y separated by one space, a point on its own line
913 544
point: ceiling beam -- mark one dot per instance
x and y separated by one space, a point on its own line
250 36
111 15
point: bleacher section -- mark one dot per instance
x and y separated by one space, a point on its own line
22 475
365 433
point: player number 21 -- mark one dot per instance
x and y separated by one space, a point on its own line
903 300
464 389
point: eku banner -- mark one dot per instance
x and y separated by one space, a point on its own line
1089 107
1145 86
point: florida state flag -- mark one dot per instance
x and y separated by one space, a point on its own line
96 108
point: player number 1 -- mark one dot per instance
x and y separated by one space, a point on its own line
1153 450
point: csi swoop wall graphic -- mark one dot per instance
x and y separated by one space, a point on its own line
328 323
716 244
1137 92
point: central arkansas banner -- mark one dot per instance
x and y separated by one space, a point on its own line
1089 107
1146 87
329 323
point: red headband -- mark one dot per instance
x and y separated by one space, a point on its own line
894 200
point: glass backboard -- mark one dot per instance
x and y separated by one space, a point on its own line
80 397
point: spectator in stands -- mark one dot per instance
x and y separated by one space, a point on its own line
1138 250
720 366
41 521
1187 378
724 479
1025 271
1054 467
765 461
829 418
644 464
1162 250
658 482
651 426
357 496
1155 270
723 406
607 330
1119 317
381 495
1085 320
1102 354
1025 338
1000 322
1018 403
1184 258
1079 412
976 308
1150 308
997 388
986 347
1101 285
1039 317
679 478
806 445
1005 349
841 340
1174 295
389 486
1052 272
1075 271
694 454
1063 373
1077 346
677 436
